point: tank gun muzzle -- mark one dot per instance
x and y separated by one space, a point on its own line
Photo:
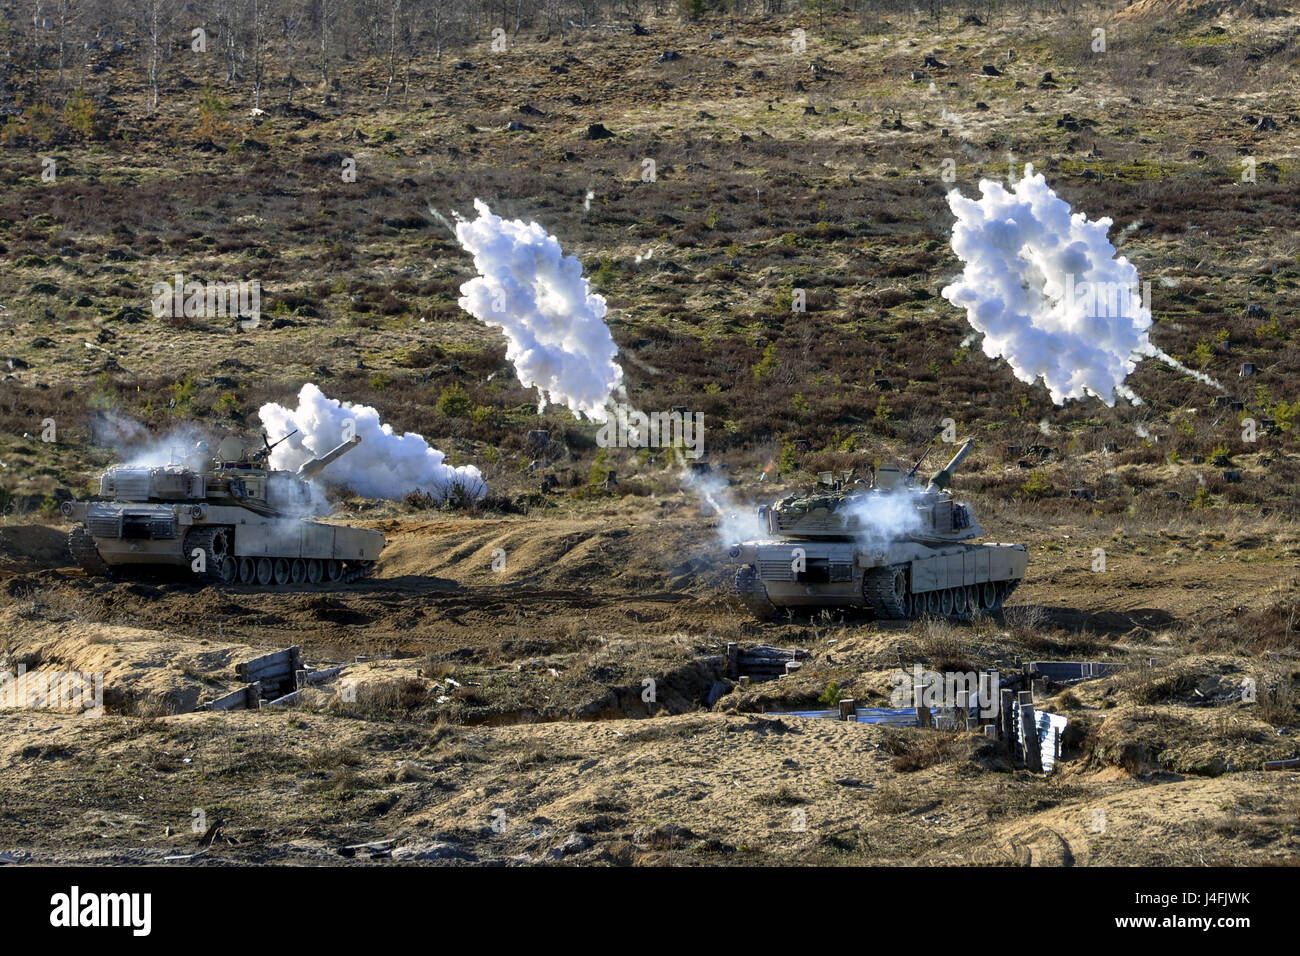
943 477
310 469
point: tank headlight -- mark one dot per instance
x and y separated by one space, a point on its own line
66 508
196 511
735 551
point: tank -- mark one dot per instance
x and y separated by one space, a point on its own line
225 517
888 544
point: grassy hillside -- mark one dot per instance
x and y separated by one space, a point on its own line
774 171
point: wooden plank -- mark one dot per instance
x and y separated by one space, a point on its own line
1033 748
235 700
315 677
1008 719
1291 764
923 716
847 708
275 662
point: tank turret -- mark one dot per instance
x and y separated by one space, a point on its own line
889 545
226 517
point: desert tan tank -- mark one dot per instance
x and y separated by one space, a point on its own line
225 517
888 545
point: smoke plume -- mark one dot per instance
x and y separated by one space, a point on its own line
880 517
734 525
554 325
136 447
386 465
1048 291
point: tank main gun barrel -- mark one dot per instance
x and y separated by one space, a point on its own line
310 469
941 478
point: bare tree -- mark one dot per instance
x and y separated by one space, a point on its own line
37 17
227 19
326 16
257 34
290 24
64 17
394 18
154 19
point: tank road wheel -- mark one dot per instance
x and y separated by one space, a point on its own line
264 572
247 571
219 561
333 571
972 599
959 602
84 552
945 602
314 571
988 595
280 571
885 591
297 571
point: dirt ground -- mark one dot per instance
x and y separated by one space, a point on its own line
547 753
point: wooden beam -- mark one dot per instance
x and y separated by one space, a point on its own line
1033 748
923 716
237 699
1008 719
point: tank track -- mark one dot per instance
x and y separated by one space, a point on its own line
356 570
352 571
879 589
204 538
1003 590
84 552
750 592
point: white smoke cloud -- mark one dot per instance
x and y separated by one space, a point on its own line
880 517
736 523
137 447
385 465
1046 288
556 335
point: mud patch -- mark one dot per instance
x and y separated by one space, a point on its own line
32 547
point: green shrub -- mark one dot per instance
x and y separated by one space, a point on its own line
453 402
